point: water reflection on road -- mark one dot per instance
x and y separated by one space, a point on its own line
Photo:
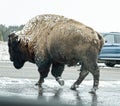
67 96
108 93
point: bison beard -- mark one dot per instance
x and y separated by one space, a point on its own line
55 40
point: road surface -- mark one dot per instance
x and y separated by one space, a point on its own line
20 84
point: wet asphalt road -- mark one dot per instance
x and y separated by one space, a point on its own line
20 84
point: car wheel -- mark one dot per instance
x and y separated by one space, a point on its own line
110 64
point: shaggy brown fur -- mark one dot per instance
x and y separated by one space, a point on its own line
55 40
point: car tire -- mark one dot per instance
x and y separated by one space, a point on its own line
110 64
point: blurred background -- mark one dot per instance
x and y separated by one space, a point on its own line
102 15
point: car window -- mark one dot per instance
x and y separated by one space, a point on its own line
109 38
117 39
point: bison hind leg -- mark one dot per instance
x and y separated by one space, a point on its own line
95 72
83 73
93 91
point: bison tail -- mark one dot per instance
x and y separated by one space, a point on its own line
101 41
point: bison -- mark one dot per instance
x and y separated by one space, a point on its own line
55 41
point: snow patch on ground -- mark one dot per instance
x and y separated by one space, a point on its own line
108 93
4 55
24 85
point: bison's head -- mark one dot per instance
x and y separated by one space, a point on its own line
16 55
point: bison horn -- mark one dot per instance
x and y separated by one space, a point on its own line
14 37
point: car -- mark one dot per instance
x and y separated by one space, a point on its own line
110 53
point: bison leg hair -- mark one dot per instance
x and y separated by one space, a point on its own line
57 70
82 75
43 74
96 75
40 81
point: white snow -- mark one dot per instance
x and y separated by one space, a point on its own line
4 55
26 88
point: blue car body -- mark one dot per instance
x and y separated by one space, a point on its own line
110 53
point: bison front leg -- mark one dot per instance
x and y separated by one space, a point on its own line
57 70
43 74
40 81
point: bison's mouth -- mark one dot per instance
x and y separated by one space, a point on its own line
18 65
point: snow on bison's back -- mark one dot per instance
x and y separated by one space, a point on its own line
69 42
